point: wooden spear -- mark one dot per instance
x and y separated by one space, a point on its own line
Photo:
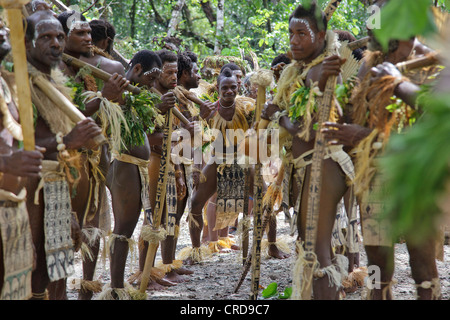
15 20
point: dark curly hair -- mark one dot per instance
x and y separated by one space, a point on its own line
280 58
184 63
147 59
101 30
167 56
227 72
64 17
313 14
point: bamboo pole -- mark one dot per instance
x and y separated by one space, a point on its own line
15 20
103 75
422 62
160 201
96 72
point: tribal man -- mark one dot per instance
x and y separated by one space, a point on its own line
313 51
368 133
129 169
99 101
164 85
187 79
50 211
103 34
222 173
16 246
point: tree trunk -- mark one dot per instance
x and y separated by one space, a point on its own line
209 13
158 17
133 20
219 25
176 15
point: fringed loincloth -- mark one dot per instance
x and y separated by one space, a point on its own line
336 153
230 194
143 173
57 220
18 255
170 194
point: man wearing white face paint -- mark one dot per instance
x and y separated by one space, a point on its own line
99 101
311 46
50 211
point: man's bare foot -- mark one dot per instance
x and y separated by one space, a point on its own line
153 285
276 253
174 277
189 261
165 282
183 271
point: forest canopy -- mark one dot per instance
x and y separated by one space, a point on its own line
260 26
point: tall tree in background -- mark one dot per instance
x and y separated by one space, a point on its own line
219 25
176 17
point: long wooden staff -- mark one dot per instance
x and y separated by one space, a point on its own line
160 200
103 75
315 184
260 99
15 21
268 209
422 62
263 79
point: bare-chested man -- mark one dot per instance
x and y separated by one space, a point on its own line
45 41
129 171
91 193
312 48
378 66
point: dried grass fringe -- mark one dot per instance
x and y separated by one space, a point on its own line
166 268
149 234
112 119
197 255
131 244
335 272
281 243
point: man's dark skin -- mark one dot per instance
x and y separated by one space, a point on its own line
78 45
166 82
44 53
125 176
15 164
228 90
333 182
422 258
189 79
108 65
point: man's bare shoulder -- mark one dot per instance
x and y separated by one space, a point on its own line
111 66
313 75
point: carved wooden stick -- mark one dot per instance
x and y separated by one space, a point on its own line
14 14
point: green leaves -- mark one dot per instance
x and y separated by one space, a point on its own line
403 19
272 291
416 164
